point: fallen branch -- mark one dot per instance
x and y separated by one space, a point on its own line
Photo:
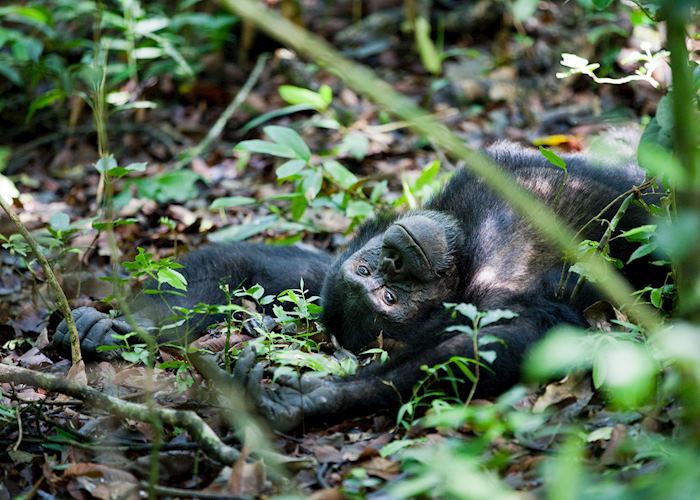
188 420
61 300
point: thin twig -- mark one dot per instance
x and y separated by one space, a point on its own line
188 420
61 300
218 127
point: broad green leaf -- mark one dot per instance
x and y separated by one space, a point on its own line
524 9
339 174
640 233
627 373
275 113
147 53
298 207
179 186
8 191
427 175
359 209
565 348
243 231
231 201
172 278
290 168
357 144
395 446
311 185
601 4
377 191
468 310
658 161
426 48
553 158
104 165
298 95
10 73
496 315
270 148
642 251
288 137
151 25
59 221
44 100
132 167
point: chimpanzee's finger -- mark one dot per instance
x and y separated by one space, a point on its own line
86 321
99 334
254 383
244 363
121 327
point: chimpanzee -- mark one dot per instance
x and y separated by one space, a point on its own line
391 283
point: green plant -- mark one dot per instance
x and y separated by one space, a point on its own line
452 373
49 42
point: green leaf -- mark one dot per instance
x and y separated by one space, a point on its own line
59 221
339 174
601 4
290 168
496 315
627 373
44 100
243 231
524 9
426 48
275 113
642 251
8 191
298 95
172 278
399 444
265 147
10 73
104 165
658 161
179 186
427 175
640 233
231 201
298 207
565 348
132 167
553 158
357 144
468 310
288 137
359 209
311 185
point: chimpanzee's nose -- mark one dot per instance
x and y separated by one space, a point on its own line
391 261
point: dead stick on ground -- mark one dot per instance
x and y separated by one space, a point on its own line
188 420
61 300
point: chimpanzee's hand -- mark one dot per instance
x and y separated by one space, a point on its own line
94 329
286 402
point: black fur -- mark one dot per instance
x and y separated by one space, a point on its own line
492 259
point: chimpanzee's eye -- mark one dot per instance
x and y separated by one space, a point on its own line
389 297
363 270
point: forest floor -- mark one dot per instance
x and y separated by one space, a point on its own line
499 83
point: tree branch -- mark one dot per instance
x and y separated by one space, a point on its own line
188 420
61 300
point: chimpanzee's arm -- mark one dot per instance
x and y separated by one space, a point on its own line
237 265
378 387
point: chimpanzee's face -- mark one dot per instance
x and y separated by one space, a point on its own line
394 280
